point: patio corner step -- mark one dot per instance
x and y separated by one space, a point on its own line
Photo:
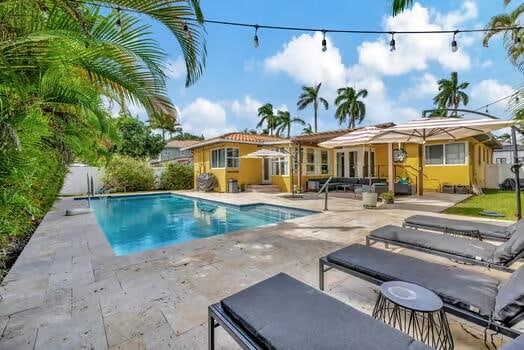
262 188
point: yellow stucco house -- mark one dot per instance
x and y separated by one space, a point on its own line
457 162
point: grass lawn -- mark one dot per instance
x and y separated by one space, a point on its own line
493 200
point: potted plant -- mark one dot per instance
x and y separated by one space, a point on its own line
388 197
369 199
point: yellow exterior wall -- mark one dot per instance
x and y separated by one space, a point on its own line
248 173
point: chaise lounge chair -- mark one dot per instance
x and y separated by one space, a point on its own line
283 313
457 248
461 227
473 296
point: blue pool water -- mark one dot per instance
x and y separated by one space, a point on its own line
137 223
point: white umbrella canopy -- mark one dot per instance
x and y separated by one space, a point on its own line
354 138
265 153
439 129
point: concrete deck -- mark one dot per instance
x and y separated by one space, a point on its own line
68 290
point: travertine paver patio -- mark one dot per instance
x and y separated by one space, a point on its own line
69 291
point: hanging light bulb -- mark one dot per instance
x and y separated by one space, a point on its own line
392 43
324 42
187 33
487 110
454 45
118 19
255 38
516 98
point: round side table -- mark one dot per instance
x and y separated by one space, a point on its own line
416 311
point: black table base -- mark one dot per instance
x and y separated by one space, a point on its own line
431 328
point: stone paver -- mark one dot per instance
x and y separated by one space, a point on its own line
68 290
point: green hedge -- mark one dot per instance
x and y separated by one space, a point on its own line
176 176
126 174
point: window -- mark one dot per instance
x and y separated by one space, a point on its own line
310 161
452 153
218 158
233 160
500 160
324 162
225 157
280 165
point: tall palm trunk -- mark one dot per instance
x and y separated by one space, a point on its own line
315 108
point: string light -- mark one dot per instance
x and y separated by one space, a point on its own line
118 20
454 45
324 42
392 45
255 38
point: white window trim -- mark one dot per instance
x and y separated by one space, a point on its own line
315 161
466 154
282 160
225 158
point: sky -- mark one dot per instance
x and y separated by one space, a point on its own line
238 78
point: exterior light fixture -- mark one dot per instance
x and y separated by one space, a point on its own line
454 45
392 44
255 38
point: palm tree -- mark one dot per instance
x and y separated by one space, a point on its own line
349 106
284 122
310 95
451 94
267 116
506 24
400 6
308 130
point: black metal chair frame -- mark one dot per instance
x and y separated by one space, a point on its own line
456 232
370 240
218 317
326 265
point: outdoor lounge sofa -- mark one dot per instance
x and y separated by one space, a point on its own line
473 296
458 227
470 251
284 313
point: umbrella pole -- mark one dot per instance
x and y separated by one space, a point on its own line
369 167
420 170
516 171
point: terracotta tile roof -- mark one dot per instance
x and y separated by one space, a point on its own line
181 144
240 137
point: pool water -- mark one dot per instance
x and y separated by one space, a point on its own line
137 223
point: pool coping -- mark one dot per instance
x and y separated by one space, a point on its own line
169 193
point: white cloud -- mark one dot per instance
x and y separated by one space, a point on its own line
176 69
486 64
488 91
425 86
303 60
415 52
246 108
205 117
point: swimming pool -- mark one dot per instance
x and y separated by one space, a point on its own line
137 223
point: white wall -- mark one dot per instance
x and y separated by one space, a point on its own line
76 180
496 173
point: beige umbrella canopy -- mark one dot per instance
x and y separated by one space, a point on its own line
265 153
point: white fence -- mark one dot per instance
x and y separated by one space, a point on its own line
496 173
76 180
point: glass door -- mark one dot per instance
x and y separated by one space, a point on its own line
341 164
352 160
266 171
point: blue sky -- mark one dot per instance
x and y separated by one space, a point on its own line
238 77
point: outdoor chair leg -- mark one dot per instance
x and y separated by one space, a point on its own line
210 332
321 275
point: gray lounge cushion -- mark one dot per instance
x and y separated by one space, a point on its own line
514 344
510 299
283 313
512 247
468 290
441 224
469 248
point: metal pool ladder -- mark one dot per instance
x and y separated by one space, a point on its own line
325 189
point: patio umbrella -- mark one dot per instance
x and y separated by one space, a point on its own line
438 129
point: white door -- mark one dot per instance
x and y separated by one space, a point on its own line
266 171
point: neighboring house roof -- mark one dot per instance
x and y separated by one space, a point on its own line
509 148
181 144
241 137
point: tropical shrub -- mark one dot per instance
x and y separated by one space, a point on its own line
136 139
177 176
127 174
